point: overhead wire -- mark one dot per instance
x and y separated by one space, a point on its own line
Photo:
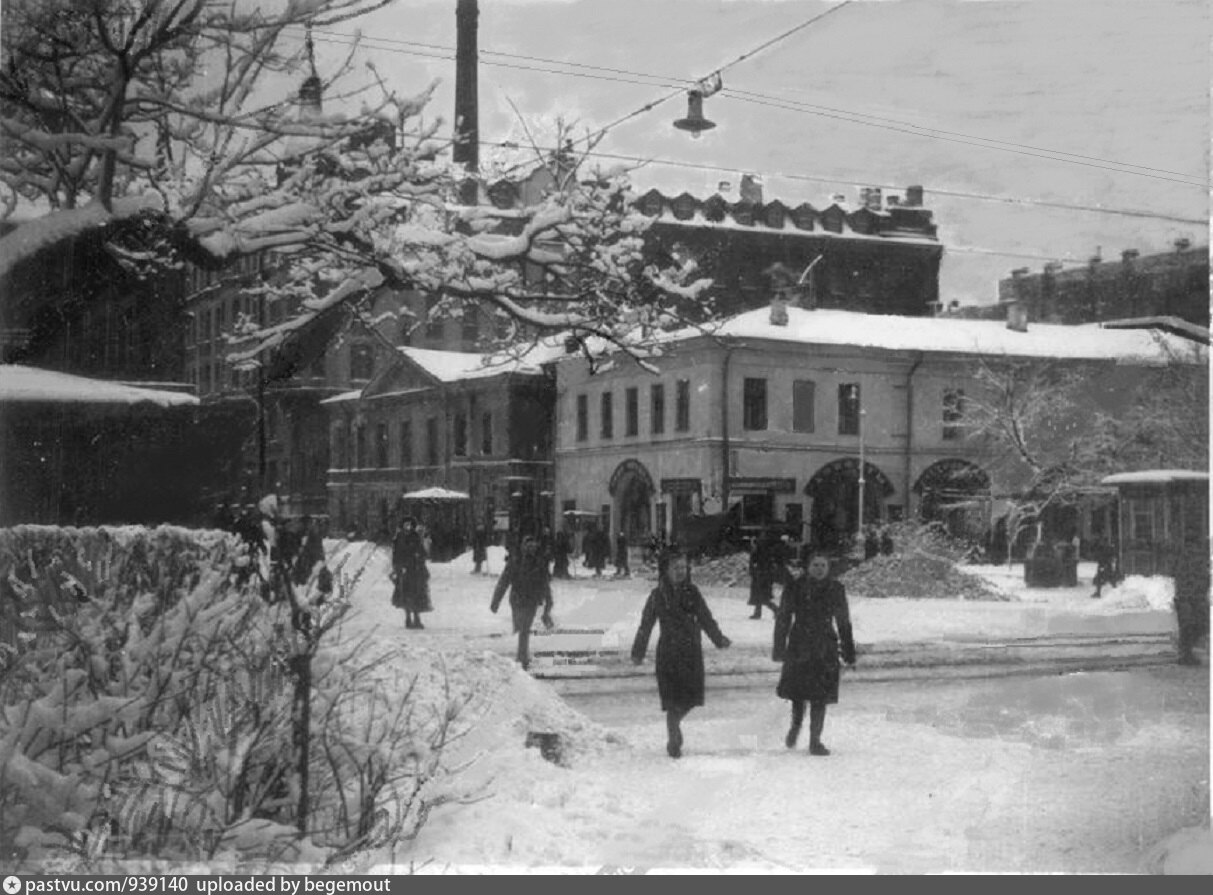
762 98
778 104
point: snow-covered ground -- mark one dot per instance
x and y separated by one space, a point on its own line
896 795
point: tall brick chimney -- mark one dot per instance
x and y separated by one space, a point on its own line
466 149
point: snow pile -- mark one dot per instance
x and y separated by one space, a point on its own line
1137 592
1187 852
916 577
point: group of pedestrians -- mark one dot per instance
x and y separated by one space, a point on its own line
812 638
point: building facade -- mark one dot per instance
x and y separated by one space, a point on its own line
1174 283
772 420
880 255
474 424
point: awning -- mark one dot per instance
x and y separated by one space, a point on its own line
436 494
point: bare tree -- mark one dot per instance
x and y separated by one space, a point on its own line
1050 430
182 114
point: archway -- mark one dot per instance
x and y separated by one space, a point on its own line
955 493
631 486
834 492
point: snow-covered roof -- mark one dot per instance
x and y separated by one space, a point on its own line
21 384
344 396
953 335
1152 476
455 366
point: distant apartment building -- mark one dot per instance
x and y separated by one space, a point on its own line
1164 284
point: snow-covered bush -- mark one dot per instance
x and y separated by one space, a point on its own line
140 720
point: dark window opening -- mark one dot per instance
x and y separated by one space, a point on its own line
754 404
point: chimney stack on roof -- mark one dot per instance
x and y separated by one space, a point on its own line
914 196
1128 256
751 189
1017 316
1182 244
869 197
779 309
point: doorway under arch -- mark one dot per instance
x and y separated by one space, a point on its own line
632 489
955 493
834 492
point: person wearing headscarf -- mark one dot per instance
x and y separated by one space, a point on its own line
409 573
812 628
677 606
526 579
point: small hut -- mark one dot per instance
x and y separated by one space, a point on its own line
1160 510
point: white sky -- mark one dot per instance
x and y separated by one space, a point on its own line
1120 80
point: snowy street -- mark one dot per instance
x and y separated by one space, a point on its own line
1081 772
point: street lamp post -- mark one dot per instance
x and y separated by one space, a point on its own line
859 538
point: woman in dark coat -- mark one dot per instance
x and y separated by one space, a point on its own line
412 579
812 625
680 608
526 578
762 575
480 548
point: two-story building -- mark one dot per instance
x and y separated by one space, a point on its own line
475 424
772 413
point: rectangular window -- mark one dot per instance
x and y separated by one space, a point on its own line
583 417
754 404
470 325
406 444
362 360
682 406
433 322
657 409
486 433
848 408
461 435
381 460
431 441
360 448
953 414
338 447
804 396
631 413
608 415
757 509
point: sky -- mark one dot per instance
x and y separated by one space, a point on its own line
1120 86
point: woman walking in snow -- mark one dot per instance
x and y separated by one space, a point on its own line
812 625
409 573
680 609
527 580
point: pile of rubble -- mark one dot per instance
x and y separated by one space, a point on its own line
731 570
916 576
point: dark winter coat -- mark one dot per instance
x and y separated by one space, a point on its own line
682 614
412 590
480 546
529 585
597 546
562 546
812 625
763 573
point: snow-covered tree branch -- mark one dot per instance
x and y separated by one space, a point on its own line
189 114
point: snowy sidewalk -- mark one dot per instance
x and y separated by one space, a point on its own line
596 619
